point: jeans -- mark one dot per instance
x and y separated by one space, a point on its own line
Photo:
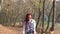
30 32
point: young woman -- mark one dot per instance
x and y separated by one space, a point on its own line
29 26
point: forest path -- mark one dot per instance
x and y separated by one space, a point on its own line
17 30
10 30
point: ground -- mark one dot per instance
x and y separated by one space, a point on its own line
10 30
16 30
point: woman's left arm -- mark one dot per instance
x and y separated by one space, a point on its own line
34 27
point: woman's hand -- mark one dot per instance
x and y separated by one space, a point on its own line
34 32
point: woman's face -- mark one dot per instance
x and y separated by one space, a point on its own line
29 17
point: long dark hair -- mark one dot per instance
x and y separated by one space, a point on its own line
27 18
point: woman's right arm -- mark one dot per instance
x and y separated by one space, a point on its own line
23 28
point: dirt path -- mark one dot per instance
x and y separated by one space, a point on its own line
57 31
16 30
10 30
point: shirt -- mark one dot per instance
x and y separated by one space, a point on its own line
32 25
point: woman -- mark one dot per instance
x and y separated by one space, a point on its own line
29 25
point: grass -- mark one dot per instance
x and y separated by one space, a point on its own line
57 26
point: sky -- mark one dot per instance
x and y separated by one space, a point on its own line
57 0
23 0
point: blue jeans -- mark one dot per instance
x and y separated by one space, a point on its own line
30 32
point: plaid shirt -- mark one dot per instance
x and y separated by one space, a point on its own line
30 28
